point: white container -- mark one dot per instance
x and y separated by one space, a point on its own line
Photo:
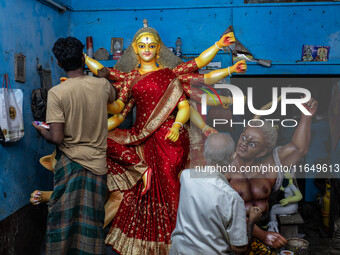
286 252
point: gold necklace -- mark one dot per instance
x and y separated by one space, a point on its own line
142 71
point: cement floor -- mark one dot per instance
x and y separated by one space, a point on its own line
321 246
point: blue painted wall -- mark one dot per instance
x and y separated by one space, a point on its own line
278 31
197 27
270 31
29 27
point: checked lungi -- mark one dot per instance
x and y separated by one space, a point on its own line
76 210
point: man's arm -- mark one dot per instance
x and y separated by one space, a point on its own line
292 153
254 215
237 229
54 135
239 249
112 94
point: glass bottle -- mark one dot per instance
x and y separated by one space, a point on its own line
178 49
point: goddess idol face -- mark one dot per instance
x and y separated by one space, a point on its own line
147 47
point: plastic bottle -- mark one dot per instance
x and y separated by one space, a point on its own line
178 49
89 46
42 124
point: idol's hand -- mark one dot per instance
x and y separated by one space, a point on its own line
112 205
292 199
92 64
103 73
239 67
273 239
209 131
311 106
284 202
255 214
225 100
173 133
115 121
115 107
226 40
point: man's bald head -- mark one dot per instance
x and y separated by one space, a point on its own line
218 149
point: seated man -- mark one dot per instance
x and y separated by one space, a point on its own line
211 216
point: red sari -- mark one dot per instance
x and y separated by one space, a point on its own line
143 224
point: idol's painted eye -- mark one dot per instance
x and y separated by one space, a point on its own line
244 138
152 46
141 46
252 145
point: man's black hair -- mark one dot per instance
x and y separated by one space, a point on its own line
69 53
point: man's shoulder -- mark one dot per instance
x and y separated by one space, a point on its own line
95 79
236 196
57 90
216 179
189 176
227 188
185 174
87 78
74 84
101 83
